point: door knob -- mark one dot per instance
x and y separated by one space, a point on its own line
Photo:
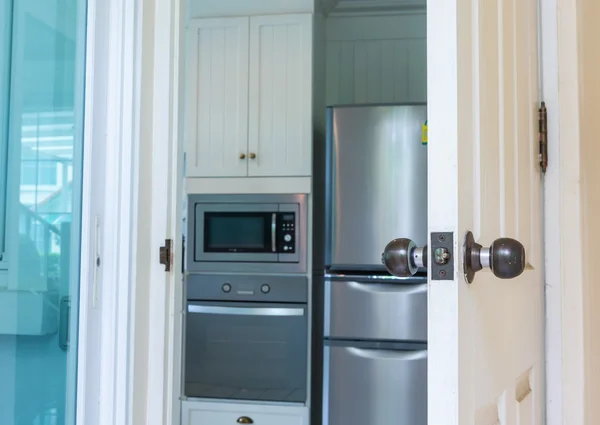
402 258
505 257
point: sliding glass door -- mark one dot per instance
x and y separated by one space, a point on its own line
42 62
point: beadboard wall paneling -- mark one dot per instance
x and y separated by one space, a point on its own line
376 59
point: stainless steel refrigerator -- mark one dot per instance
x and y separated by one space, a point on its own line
374 325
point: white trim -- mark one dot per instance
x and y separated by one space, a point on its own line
553 328
233 185
564 221
112 105
164 187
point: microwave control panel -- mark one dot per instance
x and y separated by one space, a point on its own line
286 233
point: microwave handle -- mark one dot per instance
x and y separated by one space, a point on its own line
274 232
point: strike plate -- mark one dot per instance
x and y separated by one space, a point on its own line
442 256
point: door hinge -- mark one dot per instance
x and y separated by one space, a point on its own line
543 136
166 254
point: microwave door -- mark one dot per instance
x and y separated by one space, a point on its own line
235 233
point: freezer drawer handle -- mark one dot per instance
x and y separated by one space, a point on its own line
246 311
244 420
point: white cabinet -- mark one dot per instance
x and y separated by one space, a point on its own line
280 127
201 413
249 97
217 97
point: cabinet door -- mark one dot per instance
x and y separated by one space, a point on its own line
280 107
217 98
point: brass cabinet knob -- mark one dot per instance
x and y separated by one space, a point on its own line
242 156
252 155
244 420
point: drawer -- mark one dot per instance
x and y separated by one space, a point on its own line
200 413
377 311
374 387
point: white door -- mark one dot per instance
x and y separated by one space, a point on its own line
485 338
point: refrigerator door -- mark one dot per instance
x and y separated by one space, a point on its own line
374 387
376 182
375 311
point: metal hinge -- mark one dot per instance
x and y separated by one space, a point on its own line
543 136
166 254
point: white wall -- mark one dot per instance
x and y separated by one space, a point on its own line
376 59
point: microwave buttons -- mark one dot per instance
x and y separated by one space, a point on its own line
287 238
265 289
226 287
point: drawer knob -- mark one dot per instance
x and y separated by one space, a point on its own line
244 420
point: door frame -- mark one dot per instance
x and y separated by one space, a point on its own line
566 339
149 308
110 175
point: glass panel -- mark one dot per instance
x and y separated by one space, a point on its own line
247 351
42 62
237 232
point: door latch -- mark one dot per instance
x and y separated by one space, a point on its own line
403 258
166 254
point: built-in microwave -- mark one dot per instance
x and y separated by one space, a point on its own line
261 233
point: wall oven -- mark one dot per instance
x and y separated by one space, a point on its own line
246 338
262 233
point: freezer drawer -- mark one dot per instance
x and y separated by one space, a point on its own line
374 387
375 311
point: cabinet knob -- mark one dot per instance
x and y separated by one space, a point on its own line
242 156
245 420
252 155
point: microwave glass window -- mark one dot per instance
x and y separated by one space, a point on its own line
237 232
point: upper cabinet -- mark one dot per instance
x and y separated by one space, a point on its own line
249 96
280 106
217 97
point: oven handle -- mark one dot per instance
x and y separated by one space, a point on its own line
273 232
246 311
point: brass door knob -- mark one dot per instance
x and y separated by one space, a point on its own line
242 156
252 155
244 420
505 257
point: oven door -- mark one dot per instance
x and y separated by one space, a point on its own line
246 351
235 233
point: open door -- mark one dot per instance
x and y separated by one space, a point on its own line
485 338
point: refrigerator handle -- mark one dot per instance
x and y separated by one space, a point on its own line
374 354
273 232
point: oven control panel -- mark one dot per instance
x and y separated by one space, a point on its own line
286 233
251 288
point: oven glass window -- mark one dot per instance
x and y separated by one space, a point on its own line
237 232
246 351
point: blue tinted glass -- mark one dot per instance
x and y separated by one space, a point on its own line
42 61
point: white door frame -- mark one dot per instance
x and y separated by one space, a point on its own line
111 143
144 380
565 306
